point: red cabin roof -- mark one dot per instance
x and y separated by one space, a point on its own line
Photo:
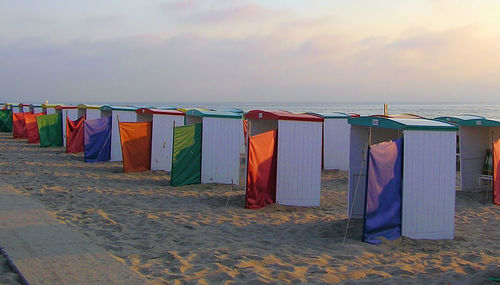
281 115
159 111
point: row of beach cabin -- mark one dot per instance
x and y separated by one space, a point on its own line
402 168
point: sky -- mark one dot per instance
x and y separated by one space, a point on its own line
419 51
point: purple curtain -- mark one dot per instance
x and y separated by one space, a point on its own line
97 140
383 192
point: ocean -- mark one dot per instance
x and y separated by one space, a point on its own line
426 110
488 110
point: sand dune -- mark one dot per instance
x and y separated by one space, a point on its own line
187 234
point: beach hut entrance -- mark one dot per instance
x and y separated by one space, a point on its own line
383 200
31 127
50 130
261 170
186 158
97 140
135 140
74 135
496 172
5 121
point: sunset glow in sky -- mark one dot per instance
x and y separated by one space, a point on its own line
235 50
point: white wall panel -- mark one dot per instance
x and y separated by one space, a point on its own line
357 171
299 163
336 144
116 147
92 114
220 159
429 184
162 140
51 111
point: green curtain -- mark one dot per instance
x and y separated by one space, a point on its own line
50 130
6 121
186 159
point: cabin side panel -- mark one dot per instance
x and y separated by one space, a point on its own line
429 184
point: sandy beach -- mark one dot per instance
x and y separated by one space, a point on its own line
188 234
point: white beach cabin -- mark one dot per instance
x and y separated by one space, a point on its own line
70 112
221 141
476 135
298 174
336 137
162 134
126 114
428 172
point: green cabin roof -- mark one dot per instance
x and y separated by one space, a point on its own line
231 110
402 124
471 121
216 114
457 119
118 108
85 106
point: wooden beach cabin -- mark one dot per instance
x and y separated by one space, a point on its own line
70 112
126 114
336 135
212 140
90 111
424 189
284 159
163 122
476 137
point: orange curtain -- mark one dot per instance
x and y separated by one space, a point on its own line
32 127
19 126
261 170
136 146
496 172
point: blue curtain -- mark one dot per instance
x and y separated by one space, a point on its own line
97 140
383 192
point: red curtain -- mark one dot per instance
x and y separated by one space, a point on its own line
496 172
136 146
74 135
261 170
18 126
32 127
245 130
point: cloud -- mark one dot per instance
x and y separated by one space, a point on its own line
430 66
